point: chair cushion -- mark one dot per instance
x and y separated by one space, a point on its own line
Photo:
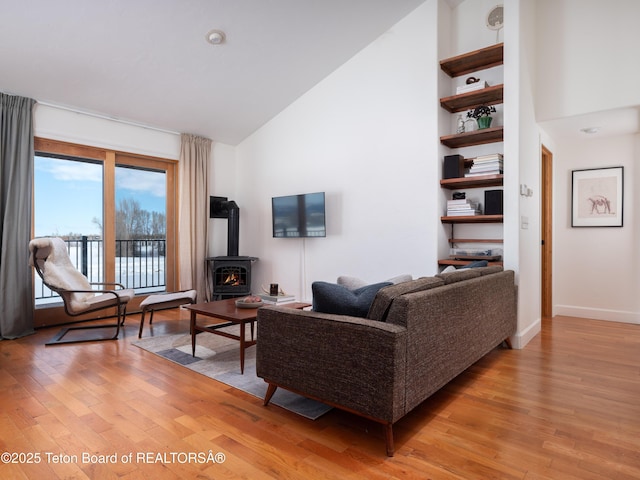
168 300
58 271
51 256
337 299
104 300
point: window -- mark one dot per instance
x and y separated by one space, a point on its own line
115 211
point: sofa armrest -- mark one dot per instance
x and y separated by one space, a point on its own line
352 362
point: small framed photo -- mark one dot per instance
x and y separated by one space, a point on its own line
597 197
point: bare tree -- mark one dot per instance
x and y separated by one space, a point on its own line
158 224
96 221
134 223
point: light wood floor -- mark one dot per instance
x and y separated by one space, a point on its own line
565 407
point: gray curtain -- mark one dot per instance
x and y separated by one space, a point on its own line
195 155
16 193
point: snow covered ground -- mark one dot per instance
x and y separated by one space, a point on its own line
144 273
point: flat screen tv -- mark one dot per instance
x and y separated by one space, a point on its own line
297 216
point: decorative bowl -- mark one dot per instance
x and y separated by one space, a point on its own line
241 304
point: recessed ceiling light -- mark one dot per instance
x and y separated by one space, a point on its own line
590 130
215 37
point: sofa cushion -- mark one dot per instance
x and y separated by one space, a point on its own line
466 273
382 302
337 299
353 283
491 269
459 275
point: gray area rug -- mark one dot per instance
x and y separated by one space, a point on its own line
219 358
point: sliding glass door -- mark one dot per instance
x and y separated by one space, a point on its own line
115 211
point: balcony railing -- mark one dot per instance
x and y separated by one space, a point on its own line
140 264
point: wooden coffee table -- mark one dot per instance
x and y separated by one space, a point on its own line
228 314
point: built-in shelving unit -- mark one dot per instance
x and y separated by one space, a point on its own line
470 62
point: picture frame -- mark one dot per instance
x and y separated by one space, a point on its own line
597 196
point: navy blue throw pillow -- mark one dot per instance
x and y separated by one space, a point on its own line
476 264
334 298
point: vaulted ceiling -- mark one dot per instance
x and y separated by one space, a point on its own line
148 61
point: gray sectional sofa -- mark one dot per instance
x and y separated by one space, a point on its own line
417 336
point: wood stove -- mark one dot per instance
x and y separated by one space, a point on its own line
230 276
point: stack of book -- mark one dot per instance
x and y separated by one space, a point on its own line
464 207
491 164
277 299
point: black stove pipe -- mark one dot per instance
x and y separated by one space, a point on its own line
233 229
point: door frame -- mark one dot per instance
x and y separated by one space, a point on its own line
546 233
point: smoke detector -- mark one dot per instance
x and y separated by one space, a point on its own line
215 37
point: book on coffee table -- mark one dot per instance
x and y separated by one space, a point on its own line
277 299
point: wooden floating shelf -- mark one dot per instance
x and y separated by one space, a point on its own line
464 101
473 219
473 61
477 137
472 182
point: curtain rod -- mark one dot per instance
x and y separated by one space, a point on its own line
106 117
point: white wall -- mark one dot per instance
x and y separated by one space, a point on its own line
522 150
222 183
367 136
468 26
585 65
68 126
586 56
596 269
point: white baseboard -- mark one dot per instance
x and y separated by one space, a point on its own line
597 314
523 337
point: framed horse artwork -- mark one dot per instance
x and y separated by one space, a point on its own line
597 197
